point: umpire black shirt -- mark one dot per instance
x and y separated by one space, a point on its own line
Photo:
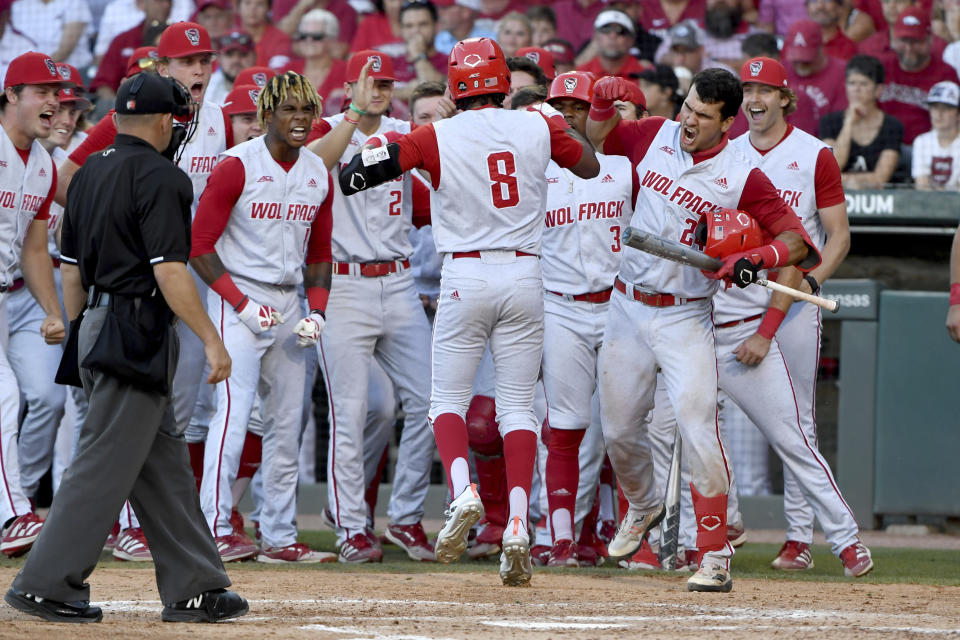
128 208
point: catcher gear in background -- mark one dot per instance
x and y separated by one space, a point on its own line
573 84
259 317
477 67
309 329
729 231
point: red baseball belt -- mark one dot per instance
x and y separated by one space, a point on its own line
370 269
652 299
734 323
594 296
477 254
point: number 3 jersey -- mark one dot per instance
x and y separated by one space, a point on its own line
676 188
487 169
582 226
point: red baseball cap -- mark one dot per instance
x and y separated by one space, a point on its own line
802 42
235 41
221 4
561 50
69 95
183 39
763 71
243 99
141 58
257 76
33 67
542 57
913 23
382 68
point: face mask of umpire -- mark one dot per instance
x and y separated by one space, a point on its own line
150 93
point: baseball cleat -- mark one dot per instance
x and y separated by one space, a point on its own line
487 542
360 548
294 553
132 546
606 530
688 560
412 539
563 554
793 556
711 576
539 555
51 610
515 567
856 560
736 535
635 525
209 606
464 512
235 547
17 538
644 559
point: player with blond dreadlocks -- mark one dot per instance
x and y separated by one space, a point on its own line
266 211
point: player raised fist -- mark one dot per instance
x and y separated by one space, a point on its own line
740 268
259 317
309 329
610 88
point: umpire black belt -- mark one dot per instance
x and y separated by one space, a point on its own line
97 298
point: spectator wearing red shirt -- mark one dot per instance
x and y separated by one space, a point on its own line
380 30
614 33
878 44
827 14
421 62
813 73
574 20
912 72
113 67
216 16
660 15
273 45
313 46
288 13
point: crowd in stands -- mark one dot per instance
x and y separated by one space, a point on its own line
877 79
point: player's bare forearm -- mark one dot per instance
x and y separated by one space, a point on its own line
318 274
68 41
38 268
74 295
788 277
208 266
64 176
331 146
588 166
598 130
837 246
180 291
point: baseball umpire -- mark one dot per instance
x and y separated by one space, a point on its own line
125 243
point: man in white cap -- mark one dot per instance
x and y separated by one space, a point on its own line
458 21
936 153
613 35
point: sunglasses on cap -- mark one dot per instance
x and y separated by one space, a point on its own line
415 3
303 35
613 28
235 38
147 64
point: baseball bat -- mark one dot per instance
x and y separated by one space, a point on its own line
670 526
677 252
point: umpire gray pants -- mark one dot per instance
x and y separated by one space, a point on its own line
129 446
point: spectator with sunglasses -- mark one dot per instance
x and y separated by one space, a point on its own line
235 53
273 45
113 67
613 35
288 13
313 44
421 62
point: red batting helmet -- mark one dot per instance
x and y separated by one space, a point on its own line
572 84
477 67
730 231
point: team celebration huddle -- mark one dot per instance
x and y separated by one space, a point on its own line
199 266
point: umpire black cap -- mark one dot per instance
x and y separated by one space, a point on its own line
149 93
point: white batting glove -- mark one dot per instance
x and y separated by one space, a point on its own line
309 329
259 317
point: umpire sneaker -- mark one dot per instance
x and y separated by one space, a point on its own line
462 514
360 548
412 539
51 610
294 553
856 560
132 546
712 575
19 535
209 606
515 567
235 547
793 556
736 535
563 554
634 527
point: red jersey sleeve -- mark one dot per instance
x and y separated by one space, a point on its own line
761 200
421 202
98 138
43 213
318 129
228 128
826 180
419 149
564 150
632 138
318 247
216 202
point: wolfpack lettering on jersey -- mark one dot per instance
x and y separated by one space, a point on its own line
23 188
583 223
670 200
202 151
252 246
374 225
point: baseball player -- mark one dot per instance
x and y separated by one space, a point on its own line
489 230
270 194
241 105
28 182
375 313
661 317
806 174
581 257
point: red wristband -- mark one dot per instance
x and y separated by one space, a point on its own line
770 323
601 111
225 286
955 293
776 254
317 297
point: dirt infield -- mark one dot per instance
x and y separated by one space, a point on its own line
290 603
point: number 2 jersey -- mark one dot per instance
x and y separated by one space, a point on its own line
676 188
487 170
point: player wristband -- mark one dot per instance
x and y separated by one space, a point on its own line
770 323
357 110
955 293
353 122
602 112
228 290
814 285
317 299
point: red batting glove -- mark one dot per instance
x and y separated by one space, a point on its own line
740 268
605 91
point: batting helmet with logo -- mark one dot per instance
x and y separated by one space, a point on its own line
729 231
477 67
